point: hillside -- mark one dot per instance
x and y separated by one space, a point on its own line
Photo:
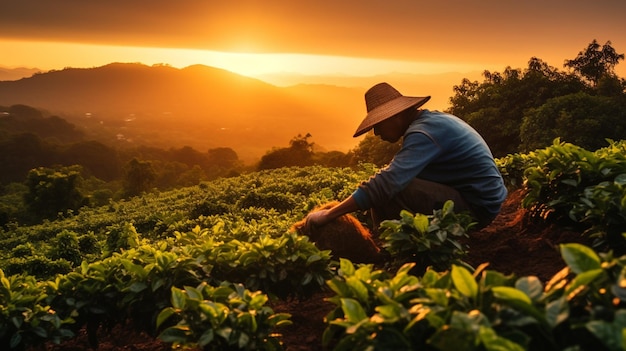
510 245
197 106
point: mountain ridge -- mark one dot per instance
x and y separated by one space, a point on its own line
198 106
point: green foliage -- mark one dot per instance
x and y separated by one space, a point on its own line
299 153
25 318
226 317
207 235
440 311
427 239
139 177
513 168
287 265
374 150
121 238
581 308
37 265
520 110
596 118
23 250
132 285
568 183
53 191
65 246
594 62
496 107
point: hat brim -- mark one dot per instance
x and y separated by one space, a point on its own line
387 110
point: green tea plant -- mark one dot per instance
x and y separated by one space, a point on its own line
282 266
583 307
226 317
603 208
25 318
65 246
512 168
586 301
287 193
440 311
427 239
559 174
567 183
134 285
37 265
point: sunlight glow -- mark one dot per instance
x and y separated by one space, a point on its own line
56 55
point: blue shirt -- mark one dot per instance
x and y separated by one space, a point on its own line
442 148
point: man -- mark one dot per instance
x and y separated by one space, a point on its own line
442 158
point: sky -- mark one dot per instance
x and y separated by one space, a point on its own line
350 37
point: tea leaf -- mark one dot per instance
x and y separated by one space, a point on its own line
580 258
353 310
464 281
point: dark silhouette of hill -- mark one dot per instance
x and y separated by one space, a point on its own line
198 106
19 119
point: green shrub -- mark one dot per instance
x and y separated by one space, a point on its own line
65 246
23 250
582 307
39 266
427 239
121 237
228 317
25 318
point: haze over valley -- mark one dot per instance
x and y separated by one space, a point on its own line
129 104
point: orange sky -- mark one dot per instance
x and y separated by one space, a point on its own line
357 37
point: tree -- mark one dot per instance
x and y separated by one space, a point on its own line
223 157
594 62
53 190
139 177
374 150
495 107
188 156
20 153
222 161
596 118
98 159
299 153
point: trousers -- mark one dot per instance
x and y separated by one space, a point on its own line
424 196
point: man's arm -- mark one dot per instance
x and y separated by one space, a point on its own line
322 217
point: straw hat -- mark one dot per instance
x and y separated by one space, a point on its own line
383 101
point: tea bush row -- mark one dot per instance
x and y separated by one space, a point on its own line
137 283
583 307
567 183
276 199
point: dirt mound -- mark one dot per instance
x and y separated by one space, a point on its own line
511 245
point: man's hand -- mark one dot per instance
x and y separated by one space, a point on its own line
317 219
322 217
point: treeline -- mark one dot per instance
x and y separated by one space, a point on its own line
50 169
522 110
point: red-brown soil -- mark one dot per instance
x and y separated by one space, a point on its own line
511 245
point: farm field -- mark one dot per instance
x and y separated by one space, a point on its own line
535 277
508 244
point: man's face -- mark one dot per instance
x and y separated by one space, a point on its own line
389 130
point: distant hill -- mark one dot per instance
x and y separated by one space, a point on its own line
198 106
438 85
17 73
